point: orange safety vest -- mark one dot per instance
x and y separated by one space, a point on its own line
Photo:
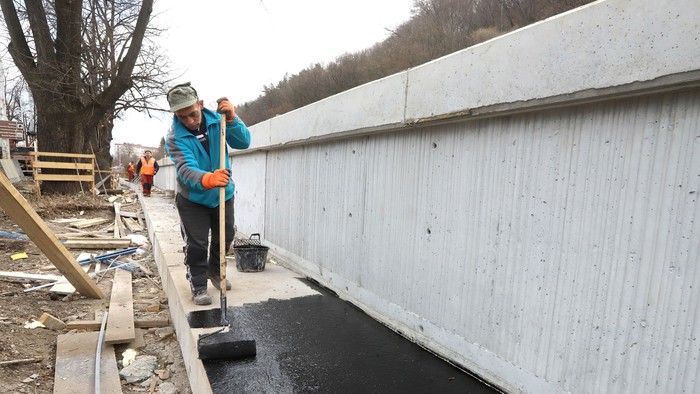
131 168
147 167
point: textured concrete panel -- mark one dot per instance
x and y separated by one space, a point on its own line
249 172
372 105
601 45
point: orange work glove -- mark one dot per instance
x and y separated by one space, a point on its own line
218 178
225 107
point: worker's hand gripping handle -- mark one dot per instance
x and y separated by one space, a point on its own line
225 107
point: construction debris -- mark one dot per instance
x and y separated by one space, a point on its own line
24 215
132 225
126 214
83 223
51 322
33 324
87 222
18 256
22 275
13 235
81 243
21 361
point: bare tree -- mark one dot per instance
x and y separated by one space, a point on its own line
78 59
125 155
14 87
17 99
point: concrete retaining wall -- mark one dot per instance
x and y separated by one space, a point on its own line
526 208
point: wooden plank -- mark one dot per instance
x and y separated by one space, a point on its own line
132 225
28 220
92 173
88 223
119 229
37 184
63 177
82 235
141 218
94 325
151 323
87 325
67 220
120 325
58 154
62 164
131 214
86 243
75 365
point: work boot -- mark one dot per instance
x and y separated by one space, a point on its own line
200 297
216 282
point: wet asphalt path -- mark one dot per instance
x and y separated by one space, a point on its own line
322 344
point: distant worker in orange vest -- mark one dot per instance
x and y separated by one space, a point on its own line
147 167
130 171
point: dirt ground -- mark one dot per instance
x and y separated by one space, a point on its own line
18 307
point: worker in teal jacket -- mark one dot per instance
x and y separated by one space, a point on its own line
193 145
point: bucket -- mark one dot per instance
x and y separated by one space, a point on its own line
250 254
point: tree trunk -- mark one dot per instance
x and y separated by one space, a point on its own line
61 133
98 142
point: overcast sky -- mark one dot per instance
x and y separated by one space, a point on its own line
234 48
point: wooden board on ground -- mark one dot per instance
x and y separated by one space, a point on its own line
94 325
75 365
119 229
77 234
120 324
126 214
86 243
28 220
132 225
88 222
67 220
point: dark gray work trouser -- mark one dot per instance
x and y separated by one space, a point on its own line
195 223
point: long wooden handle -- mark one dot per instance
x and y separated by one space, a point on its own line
222 219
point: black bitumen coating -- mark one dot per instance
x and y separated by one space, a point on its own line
322 344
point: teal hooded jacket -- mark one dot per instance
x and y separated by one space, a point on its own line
192 161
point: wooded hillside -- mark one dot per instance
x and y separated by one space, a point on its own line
436 28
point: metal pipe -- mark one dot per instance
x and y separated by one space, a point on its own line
98 353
